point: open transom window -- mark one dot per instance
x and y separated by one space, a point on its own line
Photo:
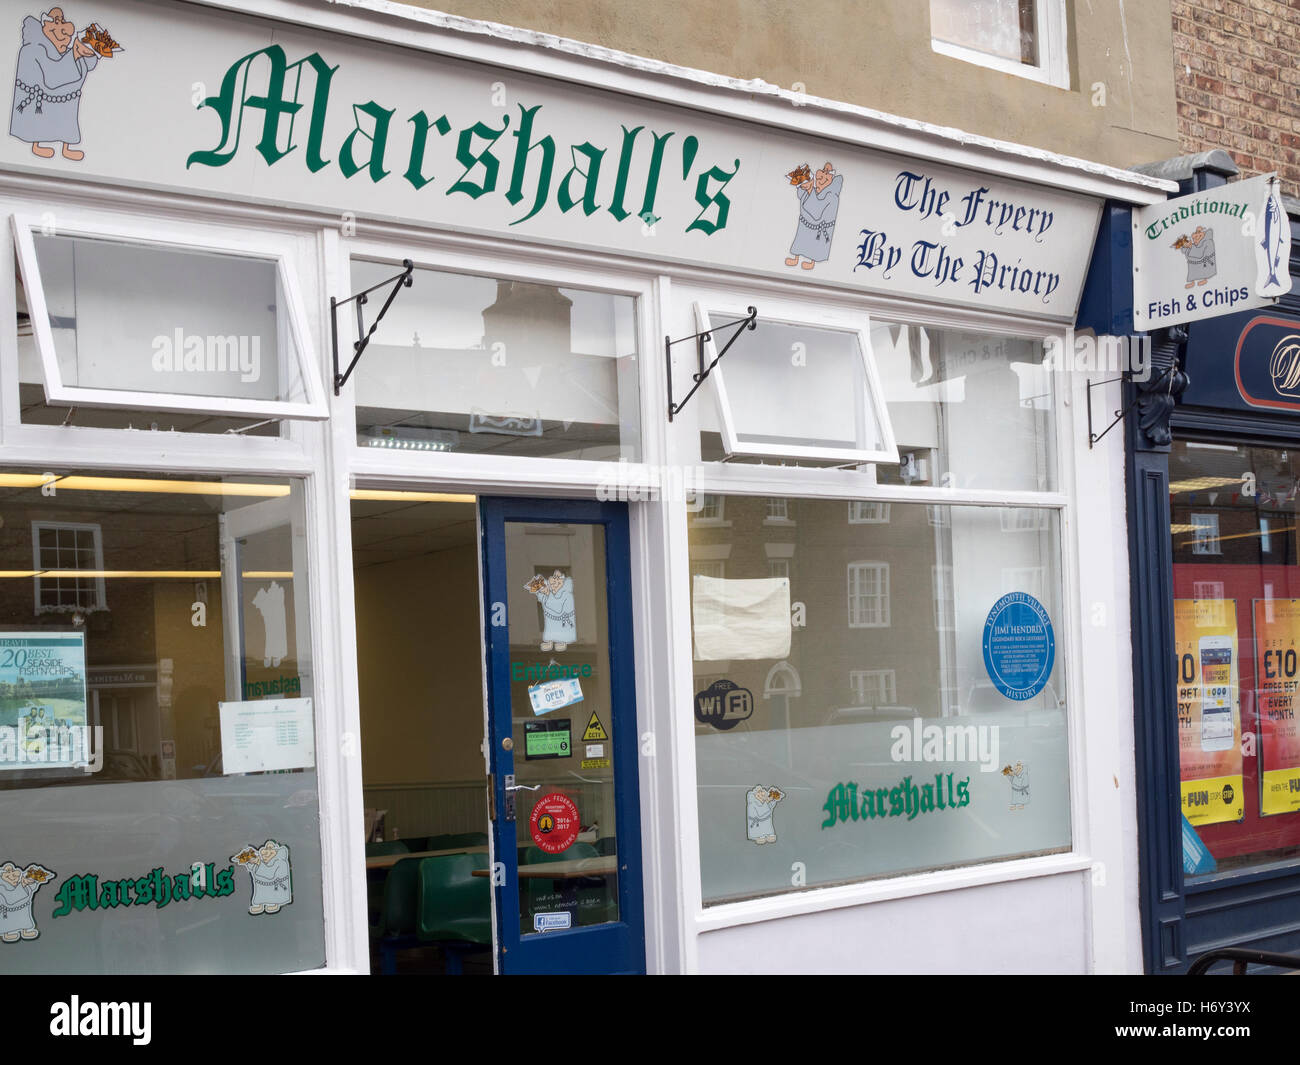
795 390
124 321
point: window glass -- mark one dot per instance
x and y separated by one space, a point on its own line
1003 28
204 334
795 391
969 410
861 731
157 753
1233 519
478 364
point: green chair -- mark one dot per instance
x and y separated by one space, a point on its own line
375 883
401 913
455 906
606 846
456 839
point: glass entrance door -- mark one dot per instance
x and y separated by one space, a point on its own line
562 731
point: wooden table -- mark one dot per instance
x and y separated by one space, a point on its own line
573 869
387 861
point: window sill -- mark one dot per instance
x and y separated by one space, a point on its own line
1059 79
816 900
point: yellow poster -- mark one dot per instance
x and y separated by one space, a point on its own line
1209 719
1277 642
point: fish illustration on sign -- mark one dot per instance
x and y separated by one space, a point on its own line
1273 252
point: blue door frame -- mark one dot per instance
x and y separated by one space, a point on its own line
613 947
1255 908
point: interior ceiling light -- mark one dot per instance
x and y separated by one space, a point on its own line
398 496
138 484
1201 484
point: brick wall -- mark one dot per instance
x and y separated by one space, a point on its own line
1237 82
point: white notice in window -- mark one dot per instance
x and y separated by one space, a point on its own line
741 618
267 734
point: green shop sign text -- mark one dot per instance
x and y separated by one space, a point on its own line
597 178
846 802
85 892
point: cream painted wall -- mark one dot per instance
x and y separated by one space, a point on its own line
418 655
878 55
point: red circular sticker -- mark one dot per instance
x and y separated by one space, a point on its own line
554 824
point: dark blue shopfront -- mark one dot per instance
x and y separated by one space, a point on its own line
1213 483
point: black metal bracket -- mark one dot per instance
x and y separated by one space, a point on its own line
750 321
402 280
1093 438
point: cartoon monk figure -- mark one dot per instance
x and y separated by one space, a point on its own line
17 888
559 618
272 876
1199 252
52 67
819 206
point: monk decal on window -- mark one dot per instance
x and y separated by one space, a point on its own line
559 616
819 206
760 802
53 63
17 889
268 866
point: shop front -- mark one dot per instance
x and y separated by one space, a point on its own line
468 505
1213 521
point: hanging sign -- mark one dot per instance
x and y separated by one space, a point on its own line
1209 724
1019 646
554 824
1216 252
1277 644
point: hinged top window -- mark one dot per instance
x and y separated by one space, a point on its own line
793 390
120 321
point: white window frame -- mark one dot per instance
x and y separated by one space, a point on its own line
250 246
882 595
782 517
97 534
1205 538
1053 67
861 679
733 445
857 508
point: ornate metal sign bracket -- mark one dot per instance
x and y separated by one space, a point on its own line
750 321
402 280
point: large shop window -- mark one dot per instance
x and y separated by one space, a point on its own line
1234 517
477 364
212 336
849 723
953 409
157 751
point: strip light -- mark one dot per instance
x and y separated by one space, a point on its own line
398 496
138 484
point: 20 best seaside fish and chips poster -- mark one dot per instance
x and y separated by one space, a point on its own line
1209 721
1277 645
42 700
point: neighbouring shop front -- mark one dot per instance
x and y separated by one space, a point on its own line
457 517
1213 522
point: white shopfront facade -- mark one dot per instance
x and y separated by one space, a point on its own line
317 149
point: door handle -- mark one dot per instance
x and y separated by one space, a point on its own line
523 787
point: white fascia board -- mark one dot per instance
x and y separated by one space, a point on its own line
755 101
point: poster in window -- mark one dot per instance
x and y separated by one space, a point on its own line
1277 645
43 700
1209 720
